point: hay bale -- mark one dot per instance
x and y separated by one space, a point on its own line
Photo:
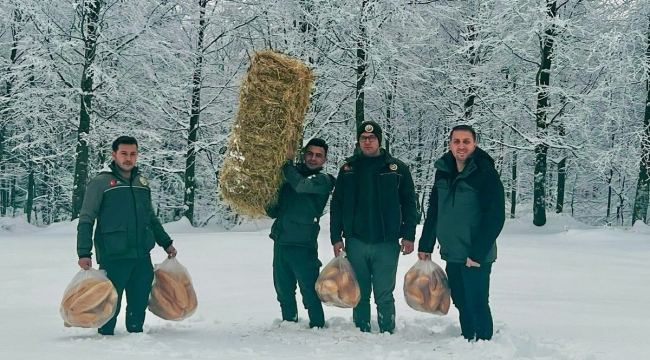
273 101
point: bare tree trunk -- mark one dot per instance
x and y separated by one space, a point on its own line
609 194
29 204
643 185
13 57
419 164
573 194
388 134
190 160
513 186
561 179
609 179
361 66
4 200
473 59
541 148
419 157
12 197
15 30
47 190
621 205
91 9
307 28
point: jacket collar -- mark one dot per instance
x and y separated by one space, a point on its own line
479 159
113 169
304 170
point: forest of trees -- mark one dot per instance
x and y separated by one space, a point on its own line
559 91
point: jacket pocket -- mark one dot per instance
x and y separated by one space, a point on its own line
115 239
466 196
305 226
390 180
149 237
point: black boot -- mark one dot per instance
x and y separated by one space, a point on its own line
364 327
290 318
386 319
316 316
467 326
361 317
102 331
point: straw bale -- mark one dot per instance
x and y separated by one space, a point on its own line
273 101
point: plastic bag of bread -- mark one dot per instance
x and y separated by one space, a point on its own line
426 288
172 293
89 300
337 285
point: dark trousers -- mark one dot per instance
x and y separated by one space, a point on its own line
133 276
375 266
470 287
297 264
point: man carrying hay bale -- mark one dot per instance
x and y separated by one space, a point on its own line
299 207
273 101
373 206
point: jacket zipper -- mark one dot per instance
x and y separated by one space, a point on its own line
381 208
137 232
454 185
453 192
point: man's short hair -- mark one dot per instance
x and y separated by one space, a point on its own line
317 142
127 140
463 128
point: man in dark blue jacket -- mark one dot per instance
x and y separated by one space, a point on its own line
466 214
300 205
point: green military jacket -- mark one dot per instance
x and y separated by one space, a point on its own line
127 226
466 210
301 201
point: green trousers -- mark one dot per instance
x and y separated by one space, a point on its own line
375 265
133 276
297 264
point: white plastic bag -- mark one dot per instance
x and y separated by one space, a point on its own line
337 284
89 300
426 288
172 293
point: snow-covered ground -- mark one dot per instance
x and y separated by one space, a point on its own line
563 291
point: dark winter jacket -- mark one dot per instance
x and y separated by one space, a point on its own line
127 226
300 205
466 210
395 199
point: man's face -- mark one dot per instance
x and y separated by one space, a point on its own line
462 144
315 157
125 156
369 144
